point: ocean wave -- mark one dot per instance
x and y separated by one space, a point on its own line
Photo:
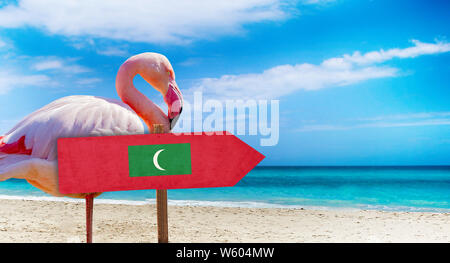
403 208
151 201
69 200
231 204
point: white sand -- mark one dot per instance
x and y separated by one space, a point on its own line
48 221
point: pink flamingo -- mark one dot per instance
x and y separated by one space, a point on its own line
28 150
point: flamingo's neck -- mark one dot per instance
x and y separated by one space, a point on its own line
144 107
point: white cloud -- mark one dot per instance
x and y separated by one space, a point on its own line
56 75
317 2
10 80
45 72
283 80
58 64
326 127
339 71
158 21
189 62
418 49
6 45
398 120
430 122
46 65
113 51
88 81
396 117
102 47
322 127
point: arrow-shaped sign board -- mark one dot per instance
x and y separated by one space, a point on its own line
152 161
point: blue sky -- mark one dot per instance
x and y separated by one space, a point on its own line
359 82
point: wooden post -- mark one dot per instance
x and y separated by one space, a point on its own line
161 211
161 205
89 216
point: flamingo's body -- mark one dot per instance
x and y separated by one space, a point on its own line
28 151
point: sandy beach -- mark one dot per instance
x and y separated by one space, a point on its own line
50 221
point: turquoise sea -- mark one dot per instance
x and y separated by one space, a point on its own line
402 188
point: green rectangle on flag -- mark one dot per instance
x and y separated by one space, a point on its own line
159 159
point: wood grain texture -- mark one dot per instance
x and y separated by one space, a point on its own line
161 205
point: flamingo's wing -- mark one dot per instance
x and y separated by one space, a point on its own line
73 116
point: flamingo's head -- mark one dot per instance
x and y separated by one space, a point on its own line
174 101
158 71
172 94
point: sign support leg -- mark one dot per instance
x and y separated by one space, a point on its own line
161 213
89 216
161 204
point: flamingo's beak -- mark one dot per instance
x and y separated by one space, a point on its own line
174 101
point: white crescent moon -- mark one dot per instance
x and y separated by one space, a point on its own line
155 160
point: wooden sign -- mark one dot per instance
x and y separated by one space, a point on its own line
152 161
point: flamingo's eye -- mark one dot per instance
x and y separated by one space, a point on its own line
171 74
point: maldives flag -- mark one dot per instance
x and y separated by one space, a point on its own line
159 159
